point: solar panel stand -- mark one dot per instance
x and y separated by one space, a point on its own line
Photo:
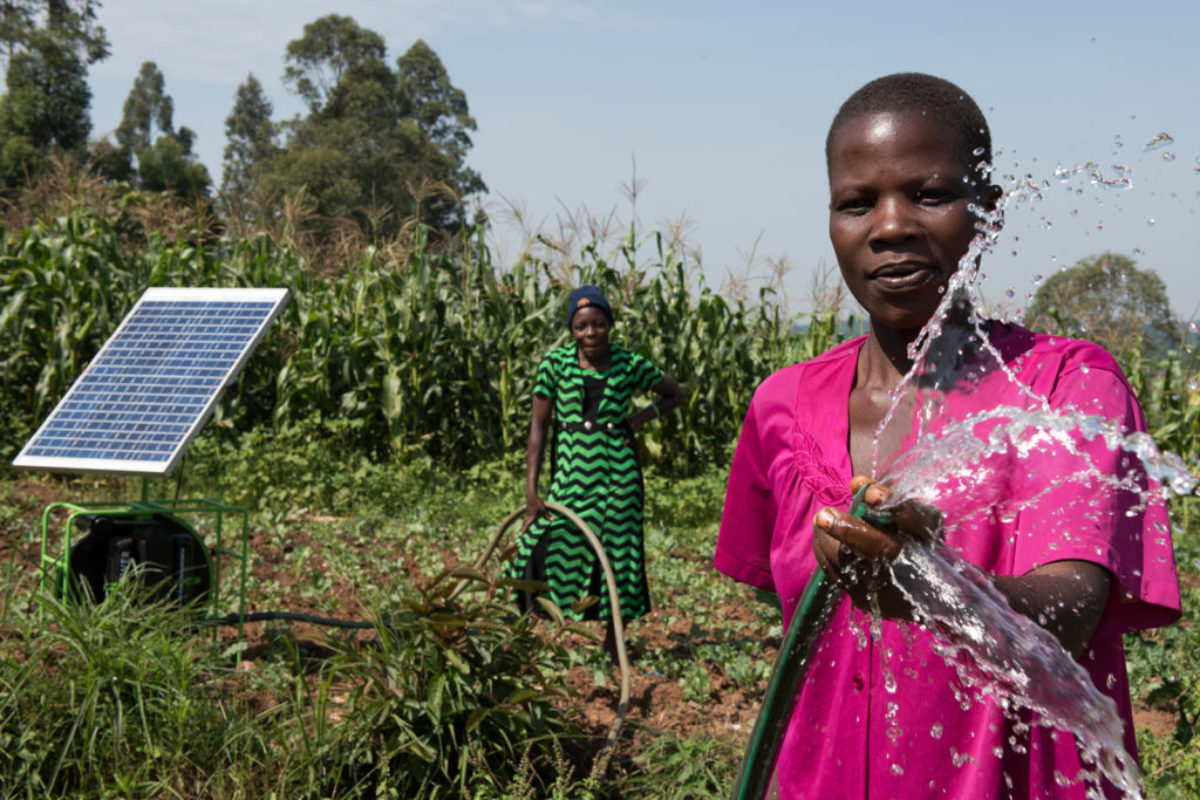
137 407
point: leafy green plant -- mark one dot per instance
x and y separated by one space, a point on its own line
449 698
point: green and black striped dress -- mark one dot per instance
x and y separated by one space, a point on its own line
596 475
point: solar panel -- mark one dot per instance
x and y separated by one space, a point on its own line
154 382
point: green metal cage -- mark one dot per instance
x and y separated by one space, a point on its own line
100 541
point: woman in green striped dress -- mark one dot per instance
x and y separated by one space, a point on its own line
585 389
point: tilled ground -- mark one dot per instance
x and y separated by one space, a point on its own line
657 702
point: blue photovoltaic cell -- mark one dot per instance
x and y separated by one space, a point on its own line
151 385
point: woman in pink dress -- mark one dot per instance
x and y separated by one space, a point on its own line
1065 527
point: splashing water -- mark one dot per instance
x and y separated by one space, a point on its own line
1008 657
998 653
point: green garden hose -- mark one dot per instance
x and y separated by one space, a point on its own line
758 764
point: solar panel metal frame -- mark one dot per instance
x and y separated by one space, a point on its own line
164 465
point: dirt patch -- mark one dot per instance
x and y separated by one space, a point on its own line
1159 722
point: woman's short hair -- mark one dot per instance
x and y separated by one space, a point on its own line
915 91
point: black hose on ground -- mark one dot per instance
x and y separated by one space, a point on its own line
290 616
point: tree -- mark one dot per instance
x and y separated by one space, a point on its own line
48 45
155 163
71 22
378 145
45 108
440 110
250 142
147 107
1107 299
318 61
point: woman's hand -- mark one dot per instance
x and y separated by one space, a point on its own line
855 552
535 507
629 426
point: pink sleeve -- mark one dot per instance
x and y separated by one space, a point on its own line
744 542
1094 505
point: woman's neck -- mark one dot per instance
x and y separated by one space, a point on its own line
600 363
884 360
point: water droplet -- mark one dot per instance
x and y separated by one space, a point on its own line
936 730
1011 292
1159 140
1150 221
1168 155
897 770
978 151
1037 278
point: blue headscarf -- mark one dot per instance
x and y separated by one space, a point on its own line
586 296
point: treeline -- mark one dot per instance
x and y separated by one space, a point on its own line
381 143
425 349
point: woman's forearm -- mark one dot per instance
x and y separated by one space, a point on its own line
535 448
1066 598
533 466
670 397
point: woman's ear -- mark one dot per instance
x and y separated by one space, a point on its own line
991 196
991 201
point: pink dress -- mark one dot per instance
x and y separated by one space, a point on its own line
849 737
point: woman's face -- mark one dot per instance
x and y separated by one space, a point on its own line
590 328
898 215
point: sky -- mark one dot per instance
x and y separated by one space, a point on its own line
721 111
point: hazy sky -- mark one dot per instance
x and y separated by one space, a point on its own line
725 106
